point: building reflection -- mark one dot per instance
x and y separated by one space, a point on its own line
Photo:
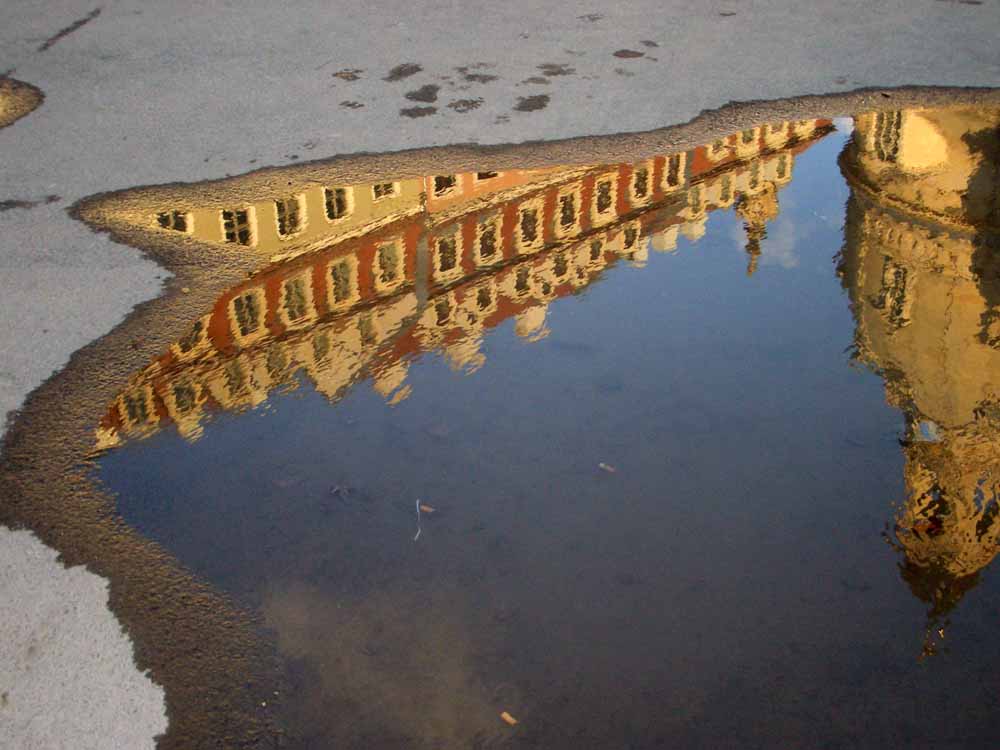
920 265
17 99
367 277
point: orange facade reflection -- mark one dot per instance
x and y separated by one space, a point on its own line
375 274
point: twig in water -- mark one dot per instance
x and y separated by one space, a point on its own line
415 538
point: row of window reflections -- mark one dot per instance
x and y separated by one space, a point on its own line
388 261
237 227
337 202
248 312
388 265
248 307
887 130
237 224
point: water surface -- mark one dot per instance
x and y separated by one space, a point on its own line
706 444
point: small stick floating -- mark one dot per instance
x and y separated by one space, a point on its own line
508 718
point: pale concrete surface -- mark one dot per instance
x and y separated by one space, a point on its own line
60 647
147 93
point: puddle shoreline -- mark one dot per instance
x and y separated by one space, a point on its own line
221 670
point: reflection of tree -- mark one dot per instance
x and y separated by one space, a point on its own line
921 266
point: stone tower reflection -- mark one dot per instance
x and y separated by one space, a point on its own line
920 265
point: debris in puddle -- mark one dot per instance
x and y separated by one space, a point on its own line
427 508
508 718
343 492
607 467
417 535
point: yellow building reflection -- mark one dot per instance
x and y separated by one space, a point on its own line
16 100
373 275
919 262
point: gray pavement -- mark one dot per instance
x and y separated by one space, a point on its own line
143 93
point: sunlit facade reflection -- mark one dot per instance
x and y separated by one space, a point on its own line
367 277
919 265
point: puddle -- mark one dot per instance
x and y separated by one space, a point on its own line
401 71
694 450
414 112
17 99
426 93
532 103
